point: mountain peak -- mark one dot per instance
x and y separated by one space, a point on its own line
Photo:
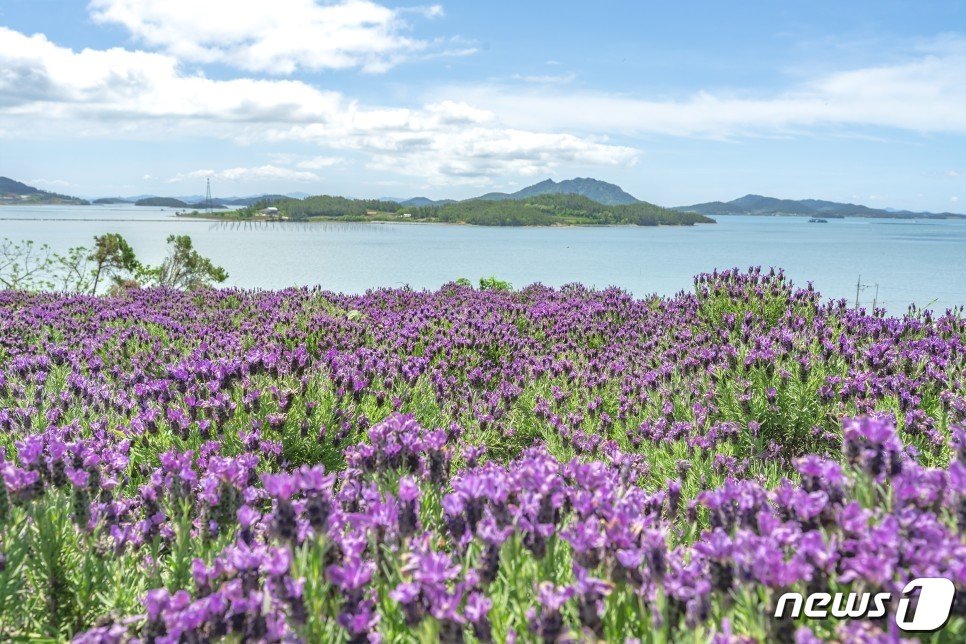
600 191
15 192
9 186
546 183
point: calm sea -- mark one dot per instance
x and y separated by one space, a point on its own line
922 262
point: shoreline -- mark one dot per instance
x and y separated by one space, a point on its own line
337 220
156 221
950 217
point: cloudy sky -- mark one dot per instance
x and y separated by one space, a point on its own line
678 102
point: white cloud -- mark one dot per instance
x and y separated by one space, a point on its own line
318 163
546 79
491 131
925 94
274 36
48 90
453 142
476 155
39 78
49 183
261 173
945 174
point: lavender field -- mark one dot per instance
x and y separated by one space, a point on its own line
546 465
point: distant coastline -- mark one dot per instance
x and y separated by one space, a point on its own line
572 202
388 218
544 204
758 205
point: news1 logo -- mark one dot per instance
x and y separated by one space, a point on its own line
936 596
928 613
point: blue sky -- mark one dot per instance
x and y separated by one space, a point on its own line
678 102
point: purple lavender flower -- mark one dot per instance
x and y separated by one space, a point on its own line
873 445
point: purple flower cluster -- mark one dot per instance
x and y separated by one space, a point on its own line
551 464
806 535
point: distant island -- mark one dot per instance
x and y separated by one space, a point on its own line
16 193
196 201
770 206
164 202
544 204
594 189
579 201
171 202
422 201
552 209
602 192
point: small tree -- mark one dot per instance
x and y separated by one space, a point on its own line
28 267
25 266
73 271
112 257
185 268
493 284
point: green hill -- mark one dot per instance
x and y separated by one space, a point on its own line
110 201
759 205
15 192
599 191
321 206
165 202
539 210
10 187
329 206
556 209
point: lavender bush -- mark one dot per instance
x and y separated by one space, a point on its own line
473 465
